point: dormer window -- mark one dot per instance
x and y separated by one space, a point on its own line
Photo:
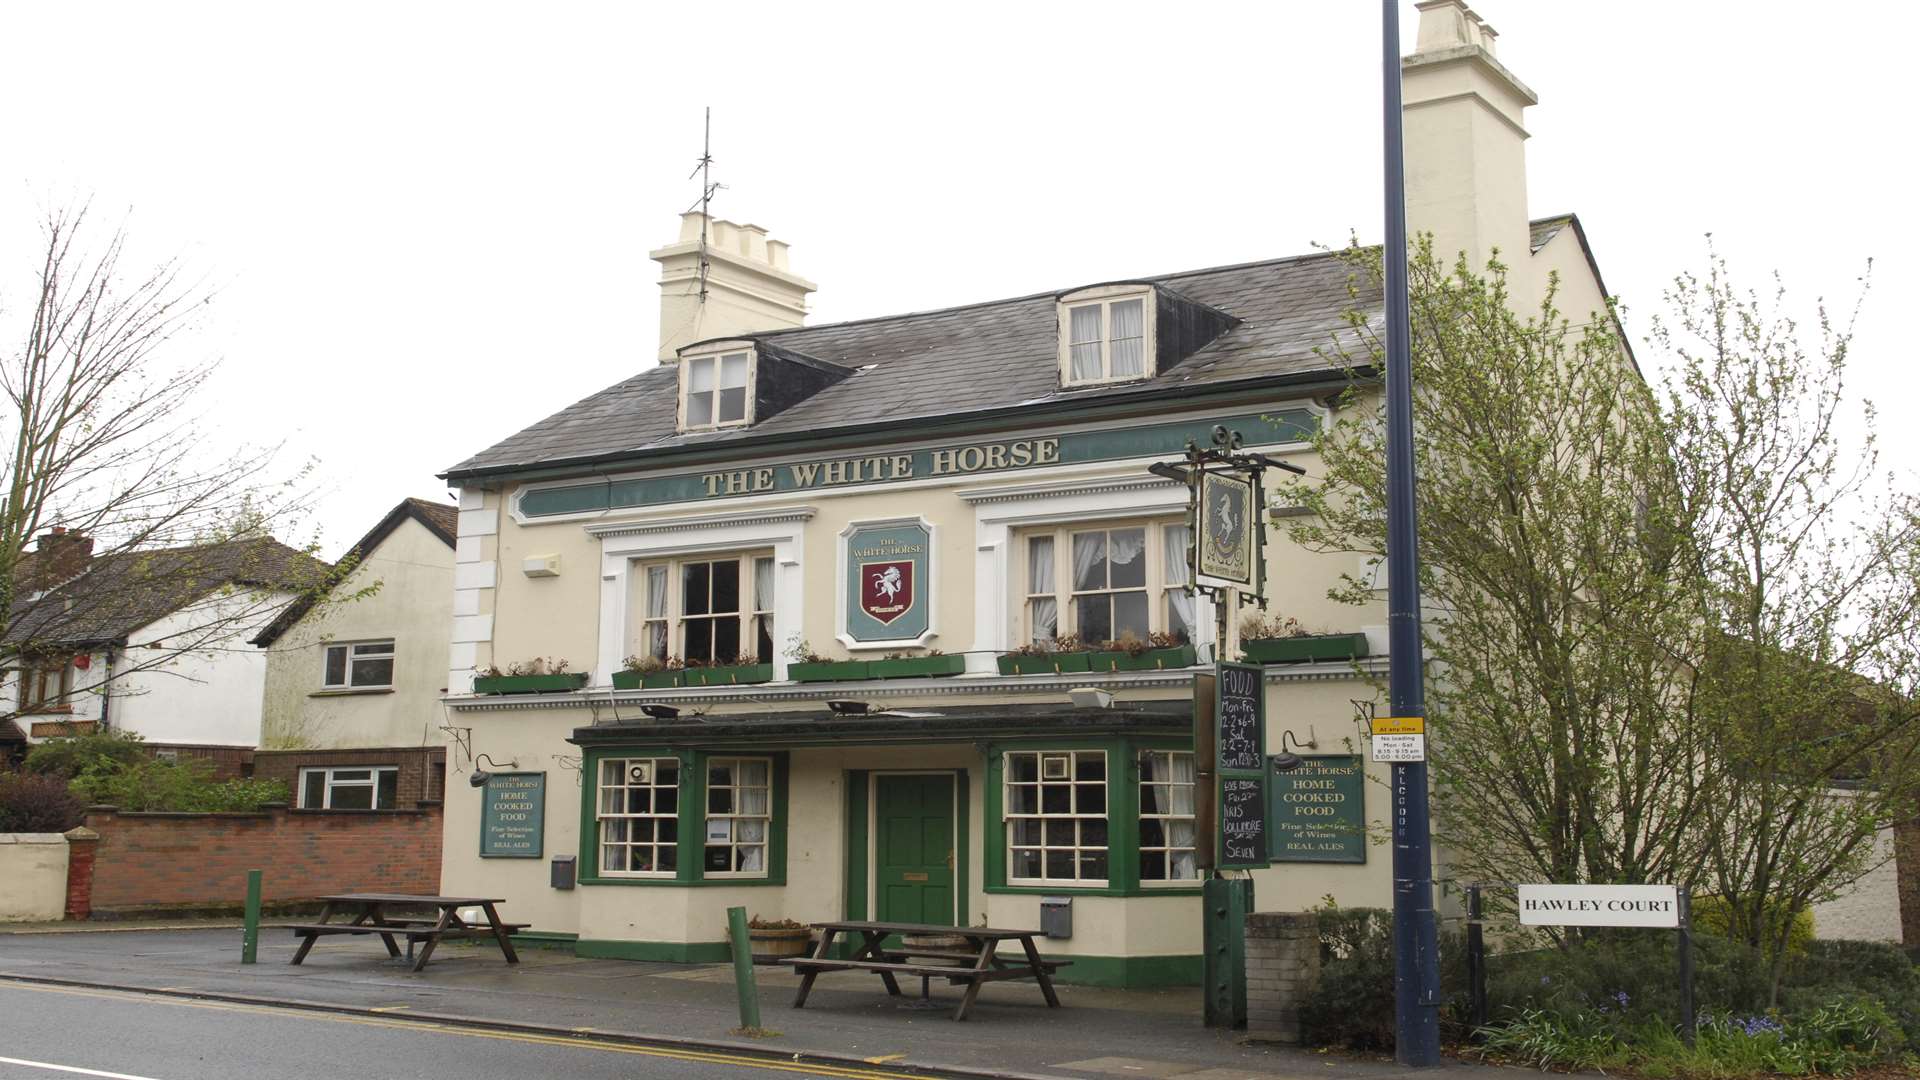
1106 335
716 389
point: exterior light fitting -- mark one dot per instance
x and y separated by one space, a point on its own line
850 708
1090 697
659 712
1286 760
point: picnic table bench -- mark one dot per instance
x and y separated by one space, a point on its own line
369 915
972 965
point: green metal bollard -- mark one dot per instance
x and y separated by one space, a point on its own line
743 968
250 937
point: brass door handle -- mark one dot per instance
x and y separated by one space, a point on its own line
949 859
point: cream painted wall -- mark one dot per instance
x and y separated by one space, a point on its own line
33 877
413 606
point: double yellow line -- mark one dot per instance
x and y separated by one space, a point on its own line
582 1042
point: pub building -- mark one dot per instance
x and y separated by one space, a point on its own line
796 573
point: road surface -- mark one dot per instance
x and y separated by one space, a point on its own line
64 1033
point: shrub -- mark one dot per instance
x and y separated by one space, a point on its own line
182 786
98 752
1352 1006
33 803
1712 915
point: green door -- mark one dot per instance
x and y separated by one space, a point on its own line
913 850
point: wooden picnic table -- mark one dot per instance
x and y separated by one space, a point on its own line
369 915
970 965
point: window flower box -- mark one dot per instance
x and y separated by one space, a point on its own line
828 671
917 667
1044 663
529 684
1293 650
732 675
1149 660
648 680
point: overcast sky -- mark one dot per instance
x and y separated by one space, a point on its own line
428 223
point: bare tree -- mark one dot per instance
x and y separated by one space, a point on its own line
108 468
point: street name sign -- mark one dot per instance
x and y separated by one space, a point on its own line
1600 905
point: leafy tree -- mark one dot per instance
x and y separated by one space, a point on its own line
1810 560
103 447
1564 623
89 754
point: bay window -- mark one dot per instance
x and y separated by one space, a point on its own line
1103 583
738 813
638 815
710 611
1166 816
1056 817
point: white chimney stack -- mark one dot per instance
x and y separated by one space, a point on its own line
1463 117
749 287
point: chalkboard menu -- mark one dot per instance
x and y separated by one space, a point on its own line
1241 712
513 810
1320 811
1243 821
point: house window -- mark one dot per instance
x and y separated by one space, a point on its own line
45 685
1107 338
1107 583
1056 814
708 611
359 666
715 390
639 816
739 809
1166 816
342 788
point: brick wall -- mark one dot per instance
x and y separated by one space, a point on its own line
421 779
229 762
183 861
1283 967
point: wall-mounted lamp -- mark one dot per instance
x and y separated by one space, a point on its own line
1286 760
659 712
849 708
481 776
1090 697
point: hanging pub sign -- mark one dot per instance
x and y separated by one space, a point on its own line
888 572
1319 810
1226 548
513 809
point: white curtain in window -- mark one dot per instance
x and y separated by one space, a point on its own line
657 610
763 584
1177 547
1180 833
752 782
1045 608
1089 560
1084 341
1124 546
1127 352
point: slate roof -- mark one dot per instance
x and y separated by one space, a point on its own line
976 358
1544 230
124 591
440 519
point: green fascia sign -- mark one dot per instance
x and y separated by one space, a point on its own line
1319 811
513 811
976 458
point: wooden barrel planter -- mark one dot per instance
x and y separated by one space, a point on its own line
771 944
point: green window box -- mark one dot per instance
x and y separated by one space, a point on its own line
917 666
1045 664
1150 660
648 680
1293 650
829 671
529 684
729 676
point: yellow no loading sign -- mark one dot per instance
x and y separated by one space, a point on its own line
1399 725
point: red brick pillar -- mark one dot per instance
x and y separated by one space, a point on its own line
82 844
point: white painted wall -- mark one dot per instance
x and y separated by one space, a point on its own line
33 877
210 695
414 607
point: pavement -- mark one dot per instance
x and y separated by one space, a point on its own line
849 1020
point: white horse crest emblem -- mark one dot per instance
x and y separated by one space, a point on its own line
886 589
